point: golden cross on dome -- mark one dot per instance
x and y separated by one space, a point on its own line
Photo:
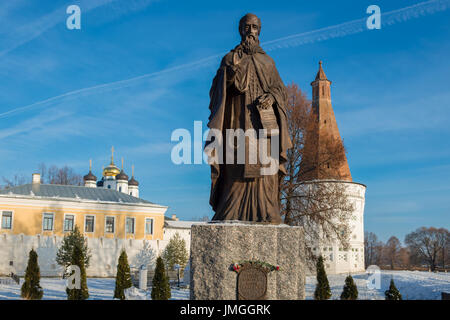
122 163
132 170
90 164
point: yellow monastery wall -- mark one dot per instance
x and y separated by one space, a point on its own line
28 220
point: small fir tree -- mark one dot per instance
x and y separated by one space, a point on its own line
392 293
175 252
123 277
64 254
323 291
350 291
78 260
161 286
31 289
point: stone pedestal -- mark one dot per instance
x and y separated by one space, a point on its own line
216 246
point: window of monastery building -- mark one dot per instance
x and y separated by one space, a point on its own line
109 225
129 225
69 222
148 226
89 224
47 222
6 220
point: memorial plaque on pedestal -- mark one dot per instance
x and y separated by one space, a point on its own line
252 282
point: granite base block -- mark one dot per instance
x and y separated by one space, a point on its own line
216 246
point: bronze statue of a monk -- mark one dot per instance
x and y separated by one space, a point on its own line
246 87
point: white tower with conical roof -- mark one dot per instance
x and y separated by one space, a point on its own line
337 259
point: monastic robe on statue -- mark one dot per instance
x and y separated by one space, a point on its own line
240 191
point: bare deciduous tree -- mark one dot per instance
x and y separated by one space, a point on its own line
64 176
53 175
324 211
322 208
17 180
42 169
404 258
372 249
391 251
428 244
299 116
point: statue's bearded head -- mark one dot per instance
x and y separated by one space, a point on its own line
249 28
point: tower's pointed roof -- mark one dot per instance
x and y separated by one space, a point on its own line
321 74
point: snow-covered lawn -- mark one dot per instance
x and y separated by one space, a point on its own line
99 289
412 285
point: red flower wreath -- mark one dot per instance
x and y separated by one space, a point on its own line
236 266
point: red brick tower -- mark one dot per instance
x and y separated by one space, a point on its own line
326 130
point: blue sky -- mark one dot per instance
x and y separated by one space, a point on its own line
138 69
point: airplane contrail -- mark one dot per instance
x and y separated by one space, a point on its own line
30 31
356 26
34 29
336 31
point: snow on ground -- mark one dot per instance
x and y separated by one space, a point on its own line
413 285
99 289
55 289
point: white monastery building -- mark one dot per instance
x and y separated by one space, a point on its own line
108 212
